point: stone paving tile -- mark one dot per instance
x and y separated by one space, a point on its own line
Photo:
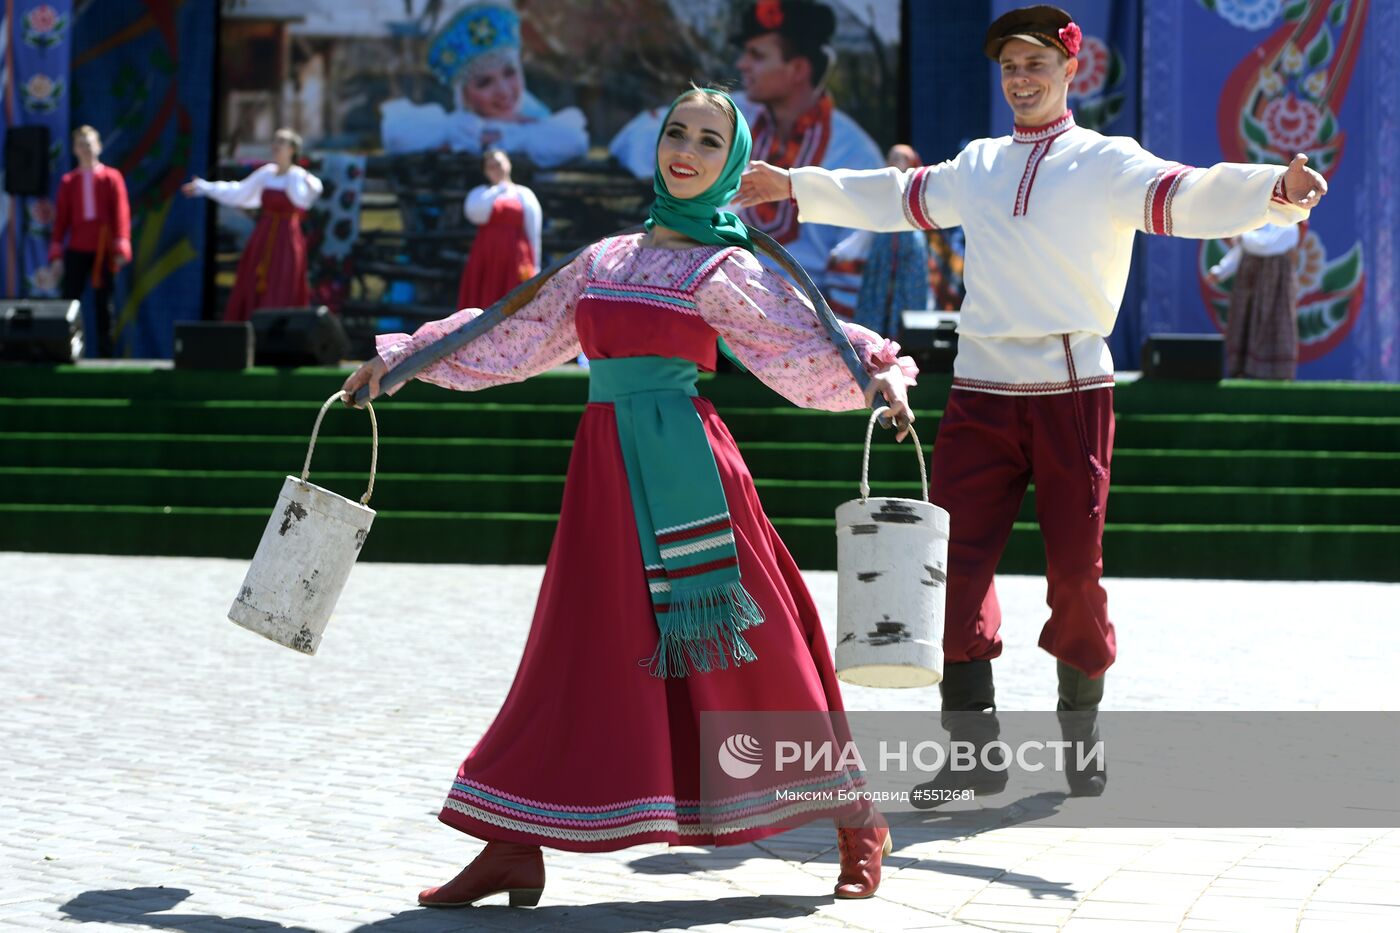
167 770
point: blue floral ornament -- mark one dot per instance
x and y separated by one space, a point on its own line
473 32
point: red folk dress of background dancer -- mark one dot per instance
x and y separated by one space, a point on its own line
272 270
506 250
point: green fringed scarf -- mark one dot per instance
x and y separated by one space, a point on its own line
683 524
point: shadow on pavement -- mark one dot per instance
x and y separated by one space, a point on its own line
909 829
142 907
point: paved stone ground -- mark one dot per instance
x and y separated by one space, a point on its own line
166 770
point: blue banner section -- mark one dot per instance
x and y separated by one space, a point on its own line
146 71
36 39
1257 81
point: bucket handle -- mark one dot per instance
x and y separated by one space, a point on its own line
374 442
865 463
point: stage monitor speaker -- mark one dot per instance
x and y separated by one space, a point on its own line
41 330
298 337
930 337
213 345
1188 357
27 161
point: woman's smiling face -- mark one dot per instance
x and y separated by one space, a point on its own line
694 147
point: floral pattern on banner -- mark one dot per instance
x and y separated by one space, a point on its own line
41 217
42 94
1097 92
37 42
1286 96
1247 14
43 26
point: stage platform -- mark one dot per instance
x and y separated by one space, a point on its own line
1247 480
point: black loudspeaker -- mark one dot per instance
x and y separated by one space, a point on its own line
1192 357
213 345
27 160
930 337
41 331
299 337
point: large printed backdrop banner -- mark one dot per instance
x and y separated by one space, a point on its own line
396 100
1257 81
145 71
35 42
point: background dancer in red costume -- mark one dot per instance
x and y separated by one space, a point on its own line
506 250
92 214
272 270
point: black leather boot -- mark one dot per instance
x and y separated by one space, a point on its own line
969 715
1078 712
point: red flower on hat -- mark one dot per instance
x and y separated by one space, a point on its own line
1070 36
769 13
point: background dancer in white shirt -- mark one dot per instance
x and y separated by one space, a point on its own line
1049 215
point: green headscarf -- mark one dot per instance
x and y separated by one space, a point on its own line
702 218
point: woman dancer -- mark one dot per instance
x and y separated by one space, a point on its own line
506 250
663 554
272 270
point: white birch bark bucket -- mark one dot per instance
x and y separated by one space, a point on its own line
891 566
305 555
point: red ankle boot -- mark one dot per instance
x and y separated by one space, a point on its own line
861 850
509 867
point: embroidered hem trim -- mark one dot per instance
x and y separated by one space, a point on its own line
1036 134
650 815
1033 388
914 210
1157 203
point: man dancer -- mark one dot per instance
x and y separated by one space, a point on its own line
93 214
785 60
1049 215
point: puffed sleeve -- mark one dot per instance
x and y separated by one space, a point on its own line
884 200
408 127
479 202
538 337
534 223
561 137
1155 195
246 194
771 327
1228 263
303 188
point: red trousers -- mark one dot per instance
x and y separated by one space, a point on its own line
989 447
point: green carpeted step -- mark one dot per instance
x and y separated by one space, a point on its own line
781 498
495 419
568 385
1258 432
406 419
1259 397
830 462
1321 552
451 455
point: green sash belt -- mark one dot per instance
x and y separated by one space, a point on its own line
687 539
